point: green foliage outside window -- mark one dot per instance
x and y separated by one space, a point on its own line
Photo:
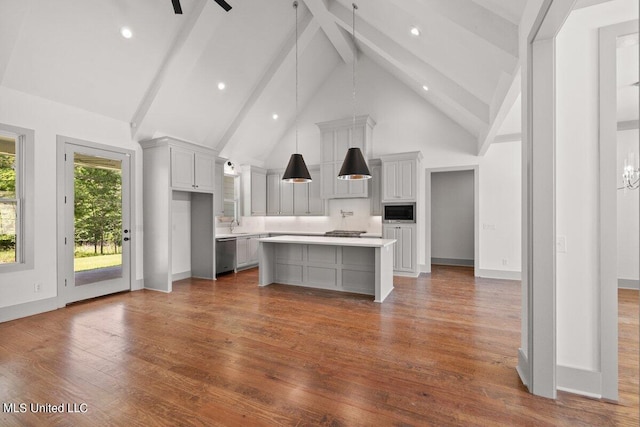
98 209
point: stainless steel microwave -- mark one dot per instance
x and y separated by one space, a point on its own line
399 212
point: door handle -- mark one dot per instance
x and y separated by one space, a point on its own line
126 239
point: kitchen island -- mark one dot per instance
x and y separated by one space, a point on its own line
358 265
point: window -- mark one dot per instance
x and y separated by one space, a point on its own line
10 199
231 192
16 213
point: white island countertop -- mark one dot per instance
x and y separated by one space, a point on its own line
333 241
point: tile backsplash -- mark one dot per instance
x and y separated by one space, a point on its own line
361 220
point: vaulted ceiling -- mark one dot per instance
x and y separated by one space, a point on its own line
164 80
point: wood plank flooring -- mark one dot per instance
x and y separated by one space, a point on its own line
441 351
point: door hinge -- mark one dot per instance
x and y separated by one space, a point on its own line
65 283
65 240
65 200
65 157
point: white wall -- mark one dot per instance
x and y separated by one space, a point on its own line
452 215
49 119
577 182
500 209
628 215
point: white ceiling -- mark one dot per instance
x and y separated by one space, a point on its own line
164 79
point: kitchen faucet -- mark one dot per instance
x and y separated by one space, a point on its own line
232 224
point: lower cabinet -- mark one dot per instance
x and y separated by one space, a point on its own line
405 249
247 251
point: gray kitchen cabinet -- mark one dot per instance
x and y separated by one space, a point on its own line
169 169
279 194
246 251
400 177
192 170
375 187
254 190
405 249
306 197
337 137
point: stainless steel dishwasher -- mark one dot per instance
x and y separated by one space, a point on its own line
225 255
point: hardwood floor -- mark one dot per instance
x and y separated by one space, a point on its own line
441 351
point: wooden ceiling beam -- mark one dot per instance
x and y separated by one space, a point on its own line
343 44
416 69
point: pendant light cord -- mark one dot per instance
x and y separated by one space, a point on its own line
295 6
355 59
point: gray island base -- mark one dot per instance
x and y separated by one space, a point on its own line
358 265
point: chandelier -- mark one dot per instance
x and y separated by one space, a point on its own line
630 174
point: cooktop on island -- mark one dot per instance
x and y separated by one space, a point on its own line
343 233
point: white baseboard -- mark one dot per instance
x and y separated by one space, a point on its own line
523 367
424 270
579 381
628 284
138 285
453 262
180 276
406 274
28 309
500 274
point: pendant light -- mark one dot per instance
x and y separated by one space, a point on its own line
354 165
296 171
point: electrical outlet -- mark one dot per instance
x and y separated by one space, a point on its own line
505 261
561 244
37 287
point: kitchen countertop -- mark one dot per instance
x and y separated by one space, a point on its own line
333 241
287 233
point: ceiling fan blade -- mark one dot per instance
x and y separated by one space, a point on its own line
176 7
223 4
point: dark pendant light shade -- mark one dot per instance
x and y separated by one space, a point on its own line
296 171
354 166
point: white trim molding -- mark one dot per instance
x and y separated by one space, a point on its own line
523 367
628 284
476 213
579 381
32 308
500 274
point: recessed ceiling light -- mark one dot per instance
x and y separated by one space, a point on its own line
126 32
415 31
275 116
425 87
221 86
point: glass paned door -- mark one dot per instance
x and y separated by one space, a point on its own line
97 218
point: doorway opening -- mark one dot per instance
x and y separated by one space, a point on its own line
452 215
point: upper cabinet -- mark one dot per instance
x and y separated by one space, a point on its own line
400 177
306 197
337 137
254 190
279 194
192 169
285 198
375 186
